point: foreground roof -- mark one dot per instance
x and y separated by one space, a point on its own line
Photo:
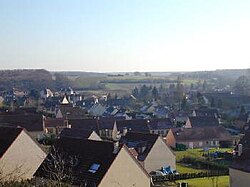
7 137
92 160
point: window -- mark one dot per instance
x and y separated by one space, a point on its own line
93 168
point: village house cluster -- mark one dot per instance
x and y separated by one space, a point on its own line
97 141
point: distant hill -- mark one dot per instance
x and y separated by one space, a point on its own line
80 74
27 79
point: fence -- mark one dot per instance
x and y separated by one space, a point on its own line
174 177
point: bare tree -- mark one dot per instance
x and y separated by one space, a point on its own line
58 167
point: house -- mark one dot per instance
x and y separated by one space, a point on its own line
54 125
51 103
181 117
242 120
45 93
110 127
161 112
86 124
27 118
67 91
239 171
201 137
79 134
97 110
160 126
76 97
170 137
152 151
94 163
1 100
201 122
68 111
206 112
20 155
65 100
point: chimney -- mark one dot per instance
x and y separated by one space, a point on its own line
116 147
124 131
239 149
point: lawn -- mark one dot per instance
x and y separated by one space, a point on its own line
222 181
197 153
187 169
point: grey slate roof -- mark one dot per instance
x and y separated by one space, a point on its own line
75 133
29 121
203 134
141 142
204 121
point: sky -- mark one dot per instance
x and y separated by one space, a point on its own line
125 35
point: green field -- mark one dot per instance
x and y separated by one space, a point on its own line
222 181
197 153
187 169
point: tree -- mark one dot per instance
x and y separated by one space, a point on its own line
161 88
61 81
212 104
242 85
192 86
219 105
184 103
135 92
144 91
155 93
137 73
204 86
34 94
200 98
58 166
242 110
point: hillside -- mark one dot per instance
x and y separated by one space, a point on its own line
27 79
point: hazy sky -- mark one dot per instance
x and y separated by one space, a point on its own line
125 35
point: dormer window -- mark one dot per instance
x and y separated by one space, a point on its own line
94 168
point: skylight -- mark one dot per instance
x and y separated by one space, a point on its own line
93 168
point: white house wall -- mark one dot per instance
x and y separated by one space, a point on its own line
159 156
239 178
22 159
125 172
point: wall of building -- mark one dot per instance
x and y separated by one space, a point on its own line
200 144
94 136
162 132
22 159
170 139
159 156
188 124
239 178
125 172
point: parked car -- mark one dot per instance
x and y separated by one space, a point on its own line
157 173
